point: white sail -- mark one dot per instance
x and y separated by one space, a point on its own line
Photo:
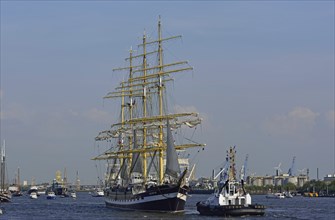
172 164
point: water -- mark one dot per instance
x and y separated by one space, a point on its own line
88 207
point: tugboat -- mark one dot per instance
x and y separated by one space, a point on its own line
230 199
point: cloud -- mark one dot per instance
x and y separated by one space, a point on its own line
330 117
97 115
14 111
183 109
299 121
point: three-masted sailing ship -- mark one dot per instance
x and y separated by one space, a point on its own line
144 163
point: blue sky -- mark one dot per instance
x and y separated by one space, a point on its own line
263 79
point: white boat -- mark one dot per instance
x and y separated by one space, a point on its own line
230 199
98 193
73 195
33 195
288 194
275 196
51 195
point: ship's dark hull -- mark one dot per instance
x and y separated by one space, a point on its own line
157 199
230 210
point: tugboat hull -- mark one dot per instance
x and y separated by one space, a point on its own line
231 210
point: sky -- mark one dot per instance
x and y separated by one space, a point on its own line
263 80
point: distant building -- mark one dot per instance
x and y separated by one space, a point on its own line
256 181
279 180
268 181
291 179
302 179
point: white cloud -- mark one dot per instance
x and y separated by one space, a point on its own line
97 115
183 109
330 117
299 121
13 111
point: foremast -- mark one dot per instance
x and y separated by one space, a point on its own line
147 83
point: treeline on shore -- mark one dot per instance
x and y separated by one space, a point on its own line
318 186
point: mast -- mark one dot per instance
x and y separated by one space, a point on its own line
65 178
131 106
3 168
144 100
77 182
18 178
160 94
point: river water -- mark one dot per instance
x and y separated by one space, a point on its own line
88 207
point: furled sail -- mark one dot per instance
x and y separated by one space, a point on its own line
124 170
137 164
172 164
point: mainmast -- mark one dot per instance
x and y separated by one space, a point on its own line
160 94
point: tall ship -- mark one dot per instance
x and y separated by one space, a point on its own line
15 189
59 185
5 194
147 168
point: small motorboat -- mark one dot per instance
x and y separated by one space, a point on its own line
288 194
275 196
33 195
73 195
98 193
